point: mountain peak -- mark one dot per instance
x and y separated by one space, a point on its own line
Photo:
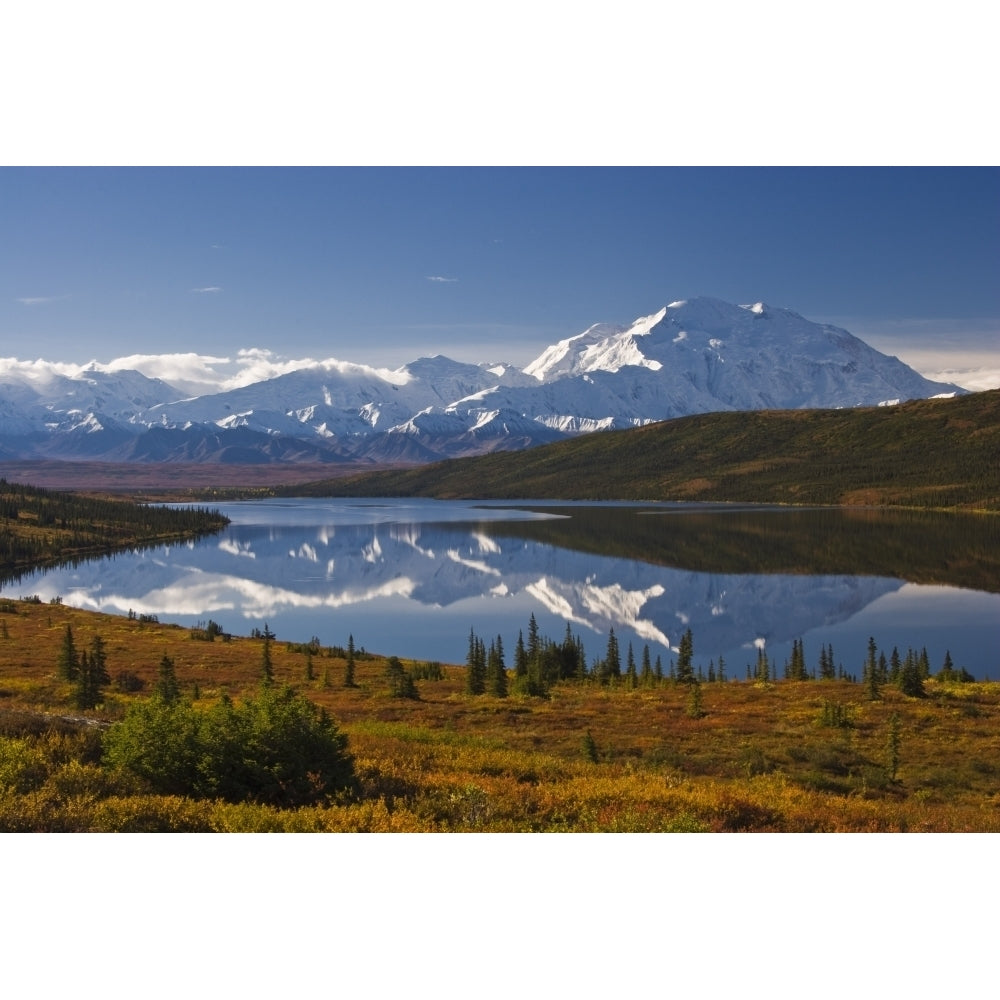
691 356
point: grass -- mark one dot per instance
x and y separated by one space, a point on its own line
759 759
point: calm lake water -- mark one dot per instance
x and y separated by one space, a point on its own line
412 577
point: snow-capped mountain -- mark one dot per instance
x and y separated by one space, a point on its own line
691 356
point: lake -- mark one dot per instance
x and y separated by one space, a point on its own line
412 577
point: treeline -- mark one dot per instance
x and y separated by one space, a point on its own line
40 526
540 662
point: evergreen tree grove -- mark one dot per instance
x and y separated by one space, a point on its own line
475 662
91 677
496 671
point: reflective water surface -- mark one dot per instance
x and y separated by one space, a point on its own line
412 577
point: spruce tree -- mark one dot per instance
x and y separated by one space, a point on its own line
911 683
883 668
520 657
167 687
99 661
797 667
612 658
631 677
646 671
924 663
475 661
68 663
266 666
694 707
947 671
88 684
762 671
685 671
534 644
570 654
827 668
496 673
871 672
400 682
895 666
581 659
349 667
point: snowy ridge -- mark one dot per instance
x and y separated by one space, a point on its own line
692 356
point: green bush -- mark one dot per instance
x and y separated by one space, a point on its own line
277 748
22 765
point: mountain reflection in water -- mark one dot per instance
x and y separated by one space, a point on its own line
413 577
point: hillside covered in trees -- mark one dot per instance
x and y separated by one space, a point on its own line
39 526
931 453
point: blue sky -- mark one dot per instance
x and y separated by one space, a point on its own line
383 265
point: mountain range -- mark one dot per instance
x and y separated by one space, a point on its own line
695 356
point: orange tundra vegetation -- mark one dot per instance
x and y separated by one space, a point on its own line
425 755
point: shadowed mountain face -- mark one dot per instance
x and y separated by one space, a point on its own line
697 356
413 578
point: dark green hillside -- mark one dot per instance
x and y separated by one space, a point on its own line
940 453
40 526
956 549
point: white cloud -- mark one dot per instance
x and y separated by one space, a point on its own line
256 364
976 373
199 374
438 277
183 365
38 370
963 351
207 288
37 300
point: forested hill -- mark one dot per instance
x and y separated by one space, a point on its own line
42 526
941 453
